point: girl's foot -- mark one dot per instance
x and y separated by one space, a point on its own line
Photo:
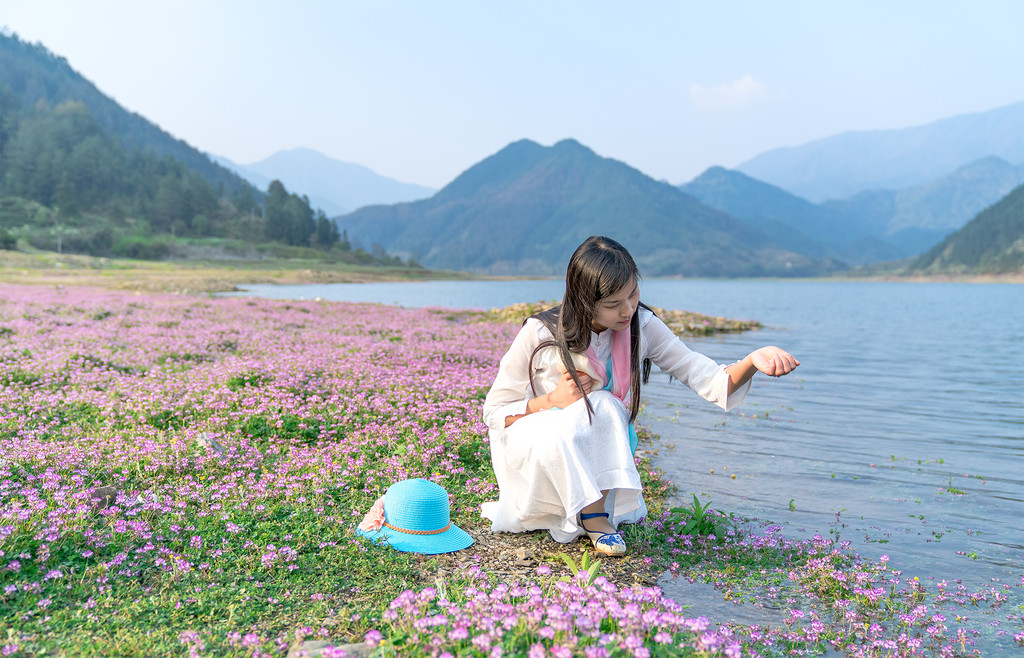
607 543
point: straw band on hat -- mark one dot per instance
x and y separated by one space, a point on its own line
413 516
418 532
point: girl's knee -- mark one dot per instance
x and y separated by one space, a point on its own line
607 408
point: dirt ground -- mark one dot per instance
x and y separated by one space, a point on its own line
515 557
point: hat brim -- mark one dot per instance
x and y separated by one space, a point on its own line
451 540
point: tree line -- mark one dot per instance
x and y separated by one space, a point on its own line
78 173
60 171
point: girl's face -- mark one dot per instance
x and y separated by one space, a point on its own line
616 311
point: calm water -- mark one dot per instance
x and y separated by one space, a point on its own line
905 393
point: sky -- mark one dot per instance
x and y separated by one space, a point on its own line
421 90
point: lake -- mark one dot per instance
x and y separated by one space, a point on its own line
905 418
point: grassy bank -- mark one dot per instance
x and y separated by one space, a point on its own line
183 475
191 276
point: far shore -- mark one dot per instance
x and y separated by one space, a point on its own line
209 276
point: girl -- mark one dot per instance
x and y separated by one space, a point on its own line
562 440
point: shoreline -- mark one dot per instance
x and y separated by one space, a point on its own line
209 277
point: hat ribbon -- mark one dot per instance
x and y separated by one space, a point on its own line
418 532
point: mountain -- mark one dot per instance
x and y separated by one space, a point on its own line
793 222
868 227
525 209
840 166
991 243
750 199
335 186
31 75
915 218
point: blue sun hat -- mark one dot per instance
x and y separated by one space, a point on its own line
413 516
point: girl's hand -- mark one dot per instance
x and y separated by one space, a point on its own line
566 392
773 361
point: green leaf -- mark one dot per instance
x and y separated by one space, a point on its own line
569 563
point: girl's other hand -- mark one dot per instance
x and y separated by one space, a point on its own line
566 393
774 361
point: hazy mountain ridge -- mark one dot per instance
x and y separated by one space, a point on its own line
524 209
914 219
335 186
868 227
840 166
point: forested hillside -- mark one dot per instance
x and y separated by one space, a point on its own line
991 243
78 173
35 78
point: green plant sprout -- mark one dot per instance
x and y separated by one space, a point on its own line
701 520
585 565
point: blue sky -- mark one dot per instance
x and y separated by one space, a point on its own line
420 90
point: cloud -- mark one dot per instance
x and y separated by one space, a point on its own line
730 95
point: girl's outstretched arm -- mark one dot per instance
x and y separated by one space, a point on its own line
770 360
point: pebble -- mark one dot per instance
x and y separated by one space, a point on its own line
207 441
523 553
103 497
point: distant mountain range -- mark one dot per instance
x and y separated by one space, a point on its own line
524 210
63 144
335 186
868 227
843 165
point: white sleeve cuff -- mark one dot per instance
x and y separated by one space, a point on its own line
723 399
497 418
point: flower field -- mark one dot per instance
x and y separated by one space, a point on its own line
183 475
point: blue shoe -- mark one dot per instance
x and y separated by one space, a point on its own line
606 543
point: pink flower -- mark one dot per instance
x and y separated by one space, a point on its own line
373 638
374 519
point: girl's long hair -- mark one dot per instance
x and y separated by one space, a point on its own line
599 268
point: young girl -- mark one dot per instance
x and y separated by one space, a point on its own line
562 440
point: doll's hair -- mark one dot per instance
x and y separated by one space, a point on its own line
599 268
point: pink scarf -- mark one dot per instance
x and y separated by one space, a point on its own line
620 364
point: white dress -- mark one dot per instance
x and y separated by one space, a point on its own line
551 464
